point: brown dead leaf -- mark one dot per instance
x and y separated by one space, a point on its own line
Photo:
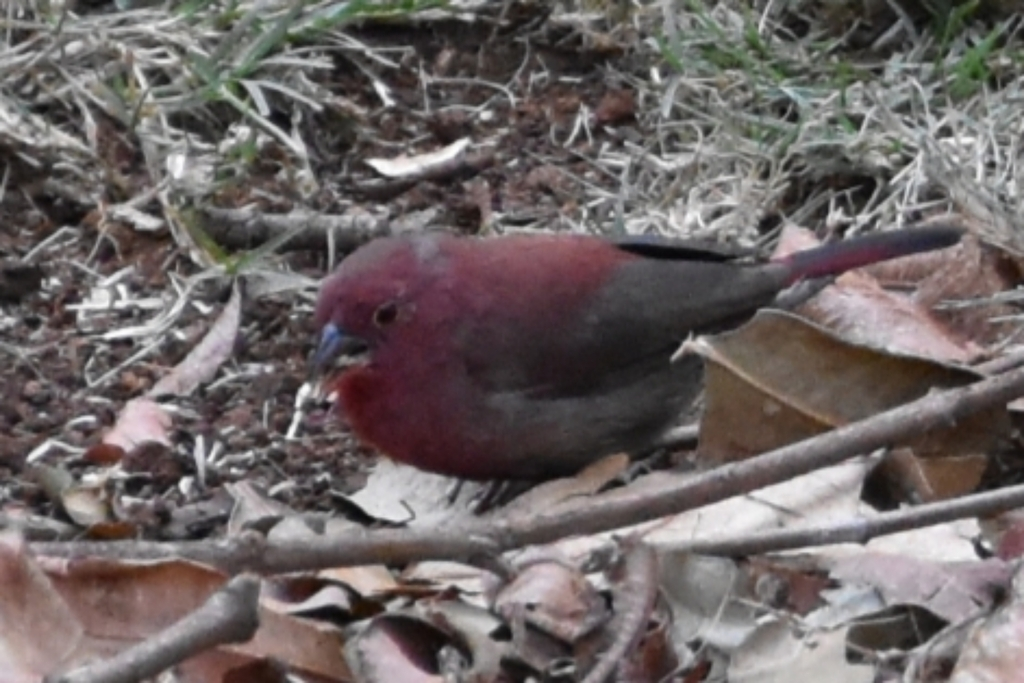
554 598
780 379
971 270
994 651
954 591
587 482
307 646
142 420
119 604
931 479
615 107
39 633
779 584
860 310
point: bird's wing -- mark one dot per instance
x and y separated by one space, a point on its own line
674 249
625 329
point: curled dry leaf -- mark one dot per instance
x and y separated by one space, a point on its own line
970 271
474 627
859 309
780 379
142 420
309 597
86 505
554 598
931 479
369 581
253 509
120 603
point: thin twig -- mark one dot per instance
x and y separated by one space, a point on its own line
861 530
248 228
634 596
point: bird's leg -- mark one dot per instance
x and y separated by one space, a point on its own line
455 490
648 462
499 492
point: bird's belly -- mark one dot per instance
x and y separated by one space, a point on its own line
545 437
459 431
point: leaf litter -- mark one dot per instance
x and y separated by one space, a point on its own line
138 190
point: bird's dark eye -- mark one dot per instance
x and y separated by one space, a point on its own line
385 314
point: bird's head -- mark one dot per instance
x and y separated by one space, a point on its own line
370 297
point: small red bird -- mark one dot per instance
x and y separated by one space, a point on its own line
528 357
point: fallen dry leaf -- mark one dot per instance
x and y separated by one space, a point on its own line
994 650
710 599
396 647
954 591
554 598
931 479
119 604
39 632
777 653
140 421
827 495
780 379
587 482
972 270
860 310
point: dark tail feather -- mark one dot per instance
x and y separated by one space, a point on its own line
839 257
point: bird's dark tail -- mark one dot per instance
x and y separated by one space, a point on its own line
839 257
